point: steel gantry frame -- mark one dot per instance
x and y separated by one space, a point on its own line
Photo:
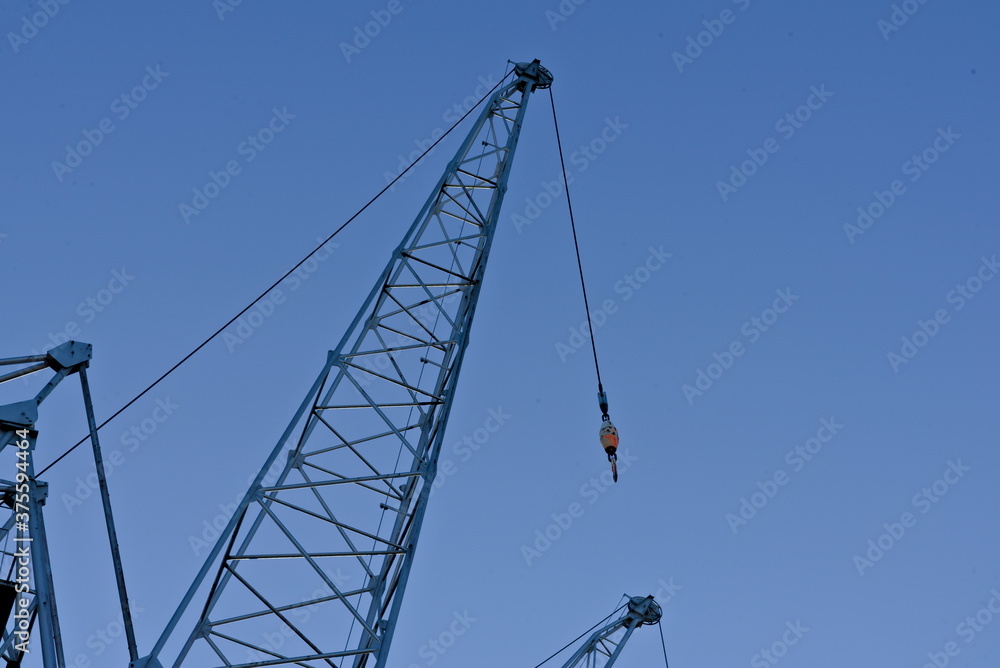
312 567
24 496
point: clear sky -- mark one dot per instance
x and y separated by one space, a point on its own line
806 391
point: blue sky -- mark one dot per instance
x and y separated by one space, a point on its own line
740 138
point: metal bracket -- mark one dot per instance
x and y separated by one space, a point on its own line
69 354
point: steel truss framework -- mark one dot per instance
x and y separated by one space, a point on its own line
23 498
313 565
602 650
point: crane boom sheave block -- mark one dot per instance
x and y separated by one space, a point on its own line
605 645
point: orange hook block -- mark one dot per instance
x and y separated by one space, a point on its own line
609 437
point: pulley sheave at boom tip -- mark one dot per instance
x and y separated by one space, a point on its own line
533 71
602 644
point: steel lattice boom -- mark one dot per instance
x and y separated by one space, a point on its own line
312 568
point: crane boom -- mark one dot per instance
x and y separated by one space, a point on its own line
601 646
312 567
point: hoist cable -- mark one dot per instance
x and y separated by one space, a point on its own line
576 244
664 644
274 284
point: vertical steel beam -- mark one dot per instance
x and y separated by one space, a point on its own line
50 635
109 518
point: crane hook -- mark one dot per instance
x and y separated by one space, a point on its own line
608 433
